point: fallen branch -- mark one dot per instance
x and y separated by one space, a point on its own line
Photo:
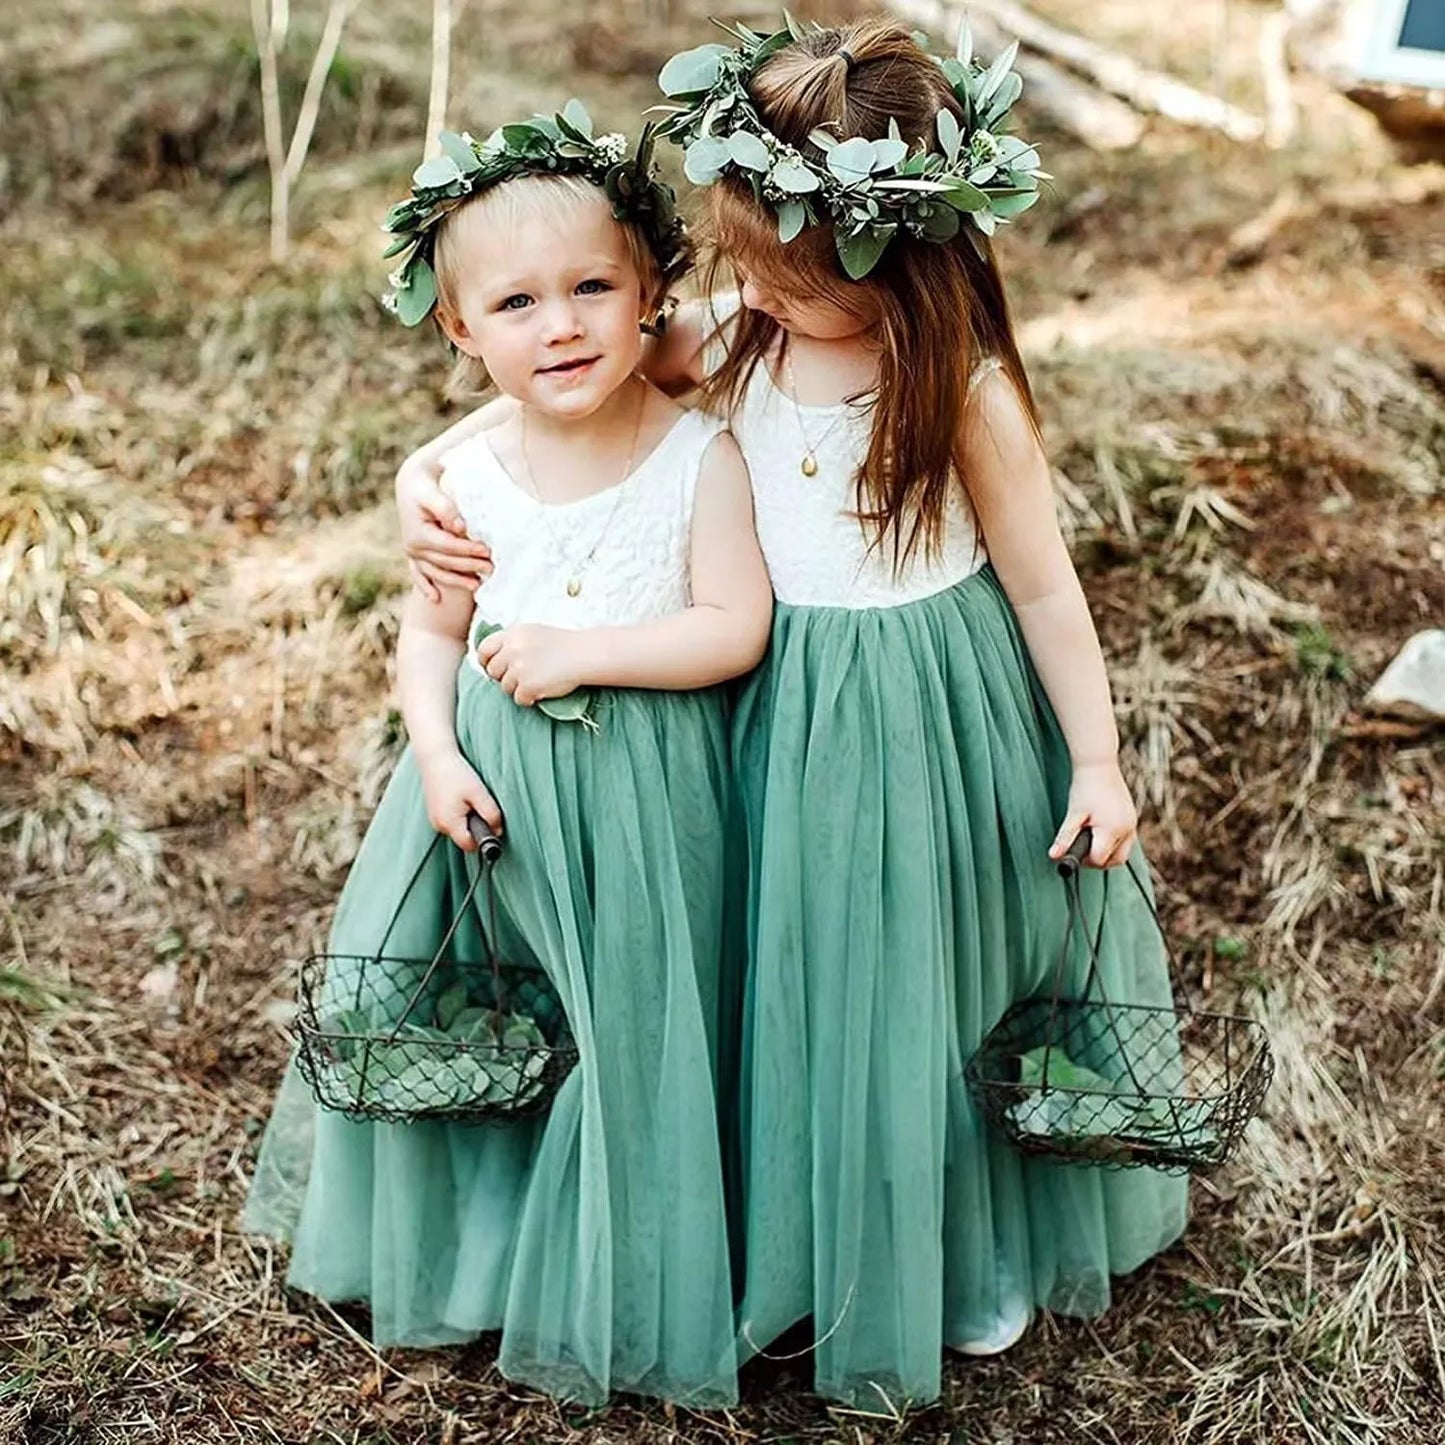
1144 89
1097 119
1281 115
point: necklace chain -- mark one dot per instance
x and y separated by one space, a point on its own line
575 570
809 464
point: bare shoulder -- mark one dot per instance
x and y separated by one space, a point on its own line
996 420
723 464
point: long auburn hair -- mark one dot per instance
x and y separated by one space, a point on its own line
940 306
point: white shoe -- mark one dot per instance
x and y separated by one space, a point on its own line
1008 1330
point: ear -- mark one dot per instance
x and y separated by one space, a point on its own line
455 331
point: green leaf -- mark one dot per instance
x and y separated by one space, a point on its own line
575 114
859 250
1052 1068
941 223
460 150
1011 87
795 178
792 216
959 78
964 197
704 160
888 153
473 1025
747 150
993 77
574 707
415 301
794 29
435 173
694 71
527 138
824 140
964 49
893 132
914 183
769 47
949 135
1007 207
449 1005
852 160
399 245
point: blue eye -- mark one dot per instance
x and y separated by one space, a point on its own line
593 287
515 303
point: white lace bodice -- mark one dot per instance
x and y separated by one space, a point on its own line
627 546
817 550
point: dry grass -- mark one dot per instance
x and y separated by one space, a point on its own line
200 600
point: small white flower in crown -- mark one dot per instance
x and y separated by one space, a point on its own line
396 280
613 145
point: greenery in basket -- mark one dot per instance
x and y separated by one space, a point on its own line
469 1055
1093 1117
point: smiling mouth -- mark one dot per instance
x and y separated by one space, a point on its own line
565 368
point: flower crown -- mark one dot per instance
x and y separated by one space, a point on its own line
562 145
868 188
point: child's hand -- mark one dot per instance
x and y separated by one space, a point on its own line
1099 798
452 790
433 534
532 662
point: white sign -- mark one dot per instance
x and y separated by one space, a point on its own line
1405 43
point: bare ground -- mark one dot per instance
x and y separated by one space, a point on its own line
200 600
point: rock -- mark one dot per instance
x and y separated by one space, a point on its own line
1413 686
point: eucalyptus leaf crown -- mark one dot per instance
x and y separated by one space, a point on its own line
561 144
870 189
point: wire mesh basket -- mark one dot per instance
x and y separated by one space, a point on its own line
1124 1085
406 1040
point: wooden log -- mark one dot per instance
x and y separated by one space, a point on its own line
1081 109
1144 89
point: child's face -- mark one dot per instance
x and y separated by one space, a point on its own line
812 316
550 303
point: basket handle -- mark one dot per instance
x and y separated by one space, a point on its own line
489 846
1073 860
1069 867
489 850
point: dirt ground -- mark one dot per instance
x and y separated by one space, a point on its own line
201 589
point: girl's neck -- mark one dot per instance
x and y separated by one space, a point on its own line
823 372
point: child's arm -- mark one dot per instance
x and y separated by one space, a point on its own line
674 362
723 634
1012 493
432 531
433 639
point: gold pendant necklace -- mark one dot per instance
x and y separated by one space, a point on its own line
809 465
574 574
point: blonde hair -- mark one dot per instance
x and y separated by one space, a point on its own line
526 198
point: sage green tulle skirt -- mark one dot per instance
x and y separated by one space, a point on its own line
594 1238
902 777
